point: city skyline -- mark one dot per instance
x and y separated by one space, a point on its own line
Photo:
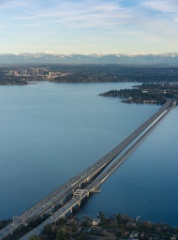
89 27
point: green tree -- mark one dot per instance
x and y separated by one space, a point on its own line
119 218
34 237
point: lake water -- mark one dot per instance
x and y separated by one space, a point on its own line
50 132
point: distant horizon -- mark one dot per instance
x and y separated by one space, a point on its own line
93 54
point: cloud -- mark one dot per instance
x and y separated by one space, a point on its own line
76 13
90 21
10 4
163 6
160 17
120 17
83 13
13 33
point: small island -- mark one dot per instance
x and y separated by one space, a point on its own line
146 93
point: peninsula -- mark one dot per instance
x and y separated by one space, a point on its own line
146 93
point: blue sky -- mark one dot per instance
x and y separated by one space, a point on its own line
88 26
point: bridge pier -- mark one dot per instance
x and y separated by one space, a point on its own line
79 203
71 210
96 190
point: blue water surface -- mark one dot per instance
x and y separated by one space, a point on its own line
50 132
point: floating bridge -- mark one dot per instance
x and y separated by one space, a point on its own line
93 177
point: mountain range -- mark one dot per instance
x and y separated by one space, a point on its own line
41 58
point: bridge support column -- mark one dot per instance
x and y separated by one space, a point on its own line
71 210
79 203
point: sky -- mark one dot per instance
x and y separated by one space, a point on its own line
88 26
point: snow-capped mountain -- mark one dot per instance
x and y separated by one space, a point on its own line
165 58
